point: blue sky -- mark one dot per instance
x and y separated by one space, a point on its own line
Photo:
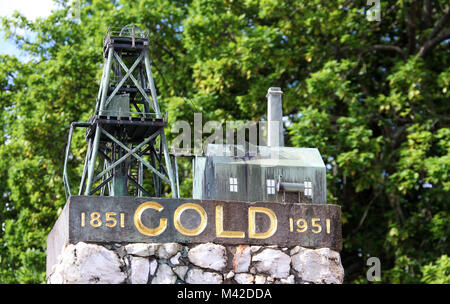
30 9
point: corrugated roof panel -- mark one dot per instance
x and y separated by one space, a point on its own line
268 156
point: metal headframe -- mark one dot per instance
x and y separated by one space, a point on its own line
126 133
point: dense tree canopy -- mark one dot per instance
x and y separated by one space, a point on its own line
373 96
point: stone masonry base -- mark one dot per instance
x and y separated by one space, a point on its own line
173 263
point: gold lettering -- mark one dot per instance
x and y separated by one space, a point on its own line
144 229
95 219
313 223
327 221
302 225
110 219
291 224
219 226
184 230
122 220
252 223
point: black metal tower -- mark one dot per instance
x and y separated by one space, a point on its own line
126 133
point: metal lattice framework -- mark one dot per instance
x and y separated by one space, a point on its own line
126 133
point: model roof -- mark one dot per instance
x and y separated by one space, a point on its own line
266 156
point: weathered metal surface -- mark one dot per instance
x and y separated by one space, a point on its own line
126 123
212 175
275 134
118 106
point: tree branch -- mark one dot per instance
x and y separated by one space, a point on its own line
366 211
431 43
385 47
412 29
388 12
441 23
427 12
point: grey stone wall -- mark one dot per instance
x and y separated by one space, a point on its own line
173 263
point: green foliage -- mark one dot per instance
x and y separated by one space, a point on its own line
437 273
372 96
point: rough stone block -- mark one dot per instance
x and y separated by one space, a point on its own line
273 262
208 255
140 268
199 276
164 275
89 263
244 278
318 266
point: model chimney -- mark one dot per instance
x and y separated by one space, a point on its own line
275 134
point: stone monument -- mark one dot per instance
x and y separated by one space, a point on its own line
252 219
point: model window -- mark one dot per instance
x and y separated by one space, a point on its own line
308 188
270 186
233 184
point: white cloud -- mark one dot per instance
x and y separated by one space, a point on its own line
29 8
